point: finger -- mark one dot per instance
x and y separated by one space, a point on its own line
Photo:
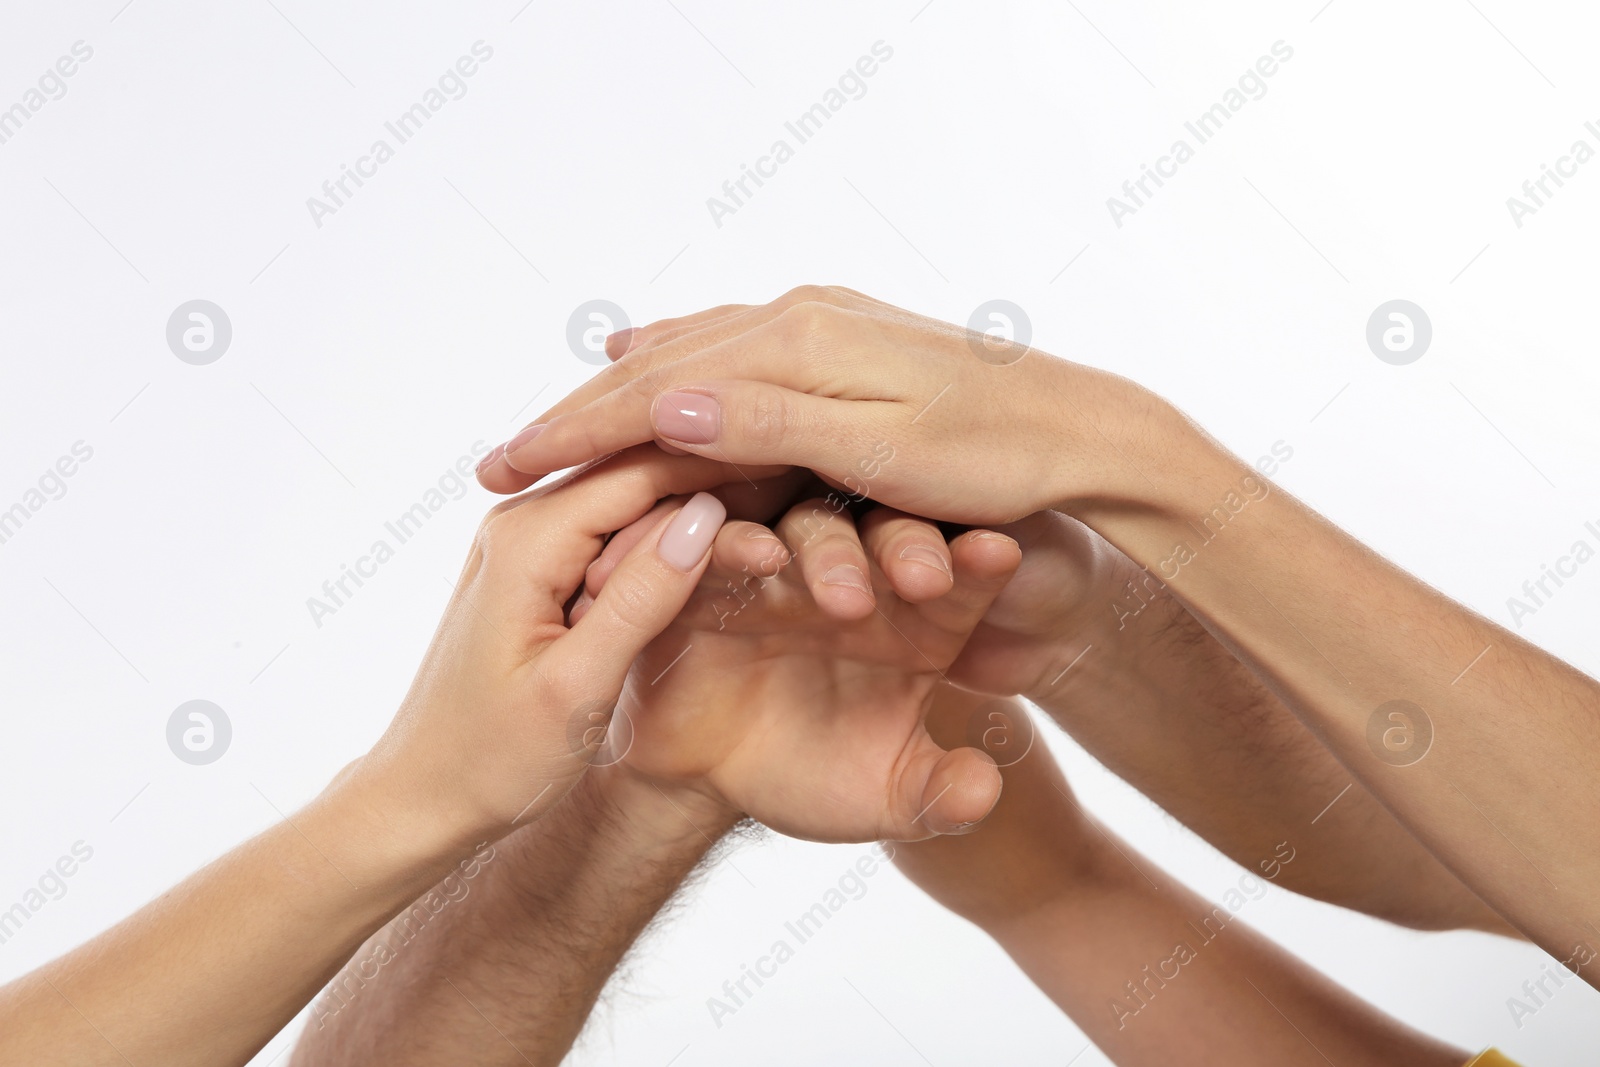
617 344
911 553
641 598
670 340
622 414
747 548
940 792
539 545
746 330
622 542
983 561
653 346
832 562
758 501
660 334
580 608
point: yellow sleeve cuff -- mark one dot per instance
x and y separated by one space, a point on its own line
1491 1058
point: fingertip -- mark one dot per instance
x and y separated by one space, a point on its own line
844 592
918 573
987 554
962 791
617 344
580 608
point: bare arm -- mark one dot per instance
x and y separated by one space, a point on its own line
168 985
507 970
1482 745
985 433
1124 668
207 973
1153 973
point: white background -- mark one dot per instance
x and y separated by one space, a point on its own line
371 353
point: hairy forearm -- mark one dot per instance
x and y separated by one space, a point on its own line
1161 702
168 986
505 962
1493 748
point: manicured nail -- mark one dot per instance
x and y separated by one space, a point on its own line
621 341
926 555
848 575
689 535
488 460
692 418
523 438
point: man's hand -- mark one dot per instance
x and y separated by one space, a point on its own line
793 686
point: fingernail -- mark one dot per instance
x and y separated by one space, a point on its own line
849 575
622 340
488 460
926 555
689 535
523 438
692 418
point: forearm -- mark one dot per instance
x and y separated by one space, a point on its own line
506 962
1149 970
1161 702
1154 974
168 985
1338 633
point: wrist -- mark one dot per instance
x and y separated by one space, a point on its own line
667 814
387 849
1123 448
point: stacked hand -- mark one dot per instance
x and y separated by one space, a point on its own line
794 685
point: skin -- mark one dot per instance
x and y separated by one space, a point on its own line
481 744
508 975
832 748
989 435
1088 917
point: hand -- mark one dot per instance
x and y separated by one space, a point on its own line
923 416
484 739
793 686
1072 590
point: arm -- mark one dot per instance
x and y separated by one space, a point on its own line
1491 757
509 969
985 434
1151 972
207 973
210 970
1149 688
724 717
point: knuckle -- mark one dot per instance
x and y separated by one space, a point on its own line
499 528
799 324
632 598
807 294
765 419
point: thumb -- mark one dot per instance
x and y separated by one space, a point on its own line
942 792
641 597
760 423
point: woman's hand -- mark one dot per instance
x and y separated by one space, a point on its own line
793 686
918 414
493 733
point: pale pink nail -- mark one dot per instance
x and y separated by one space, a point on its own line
523 438
692 418
688 536
488 460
